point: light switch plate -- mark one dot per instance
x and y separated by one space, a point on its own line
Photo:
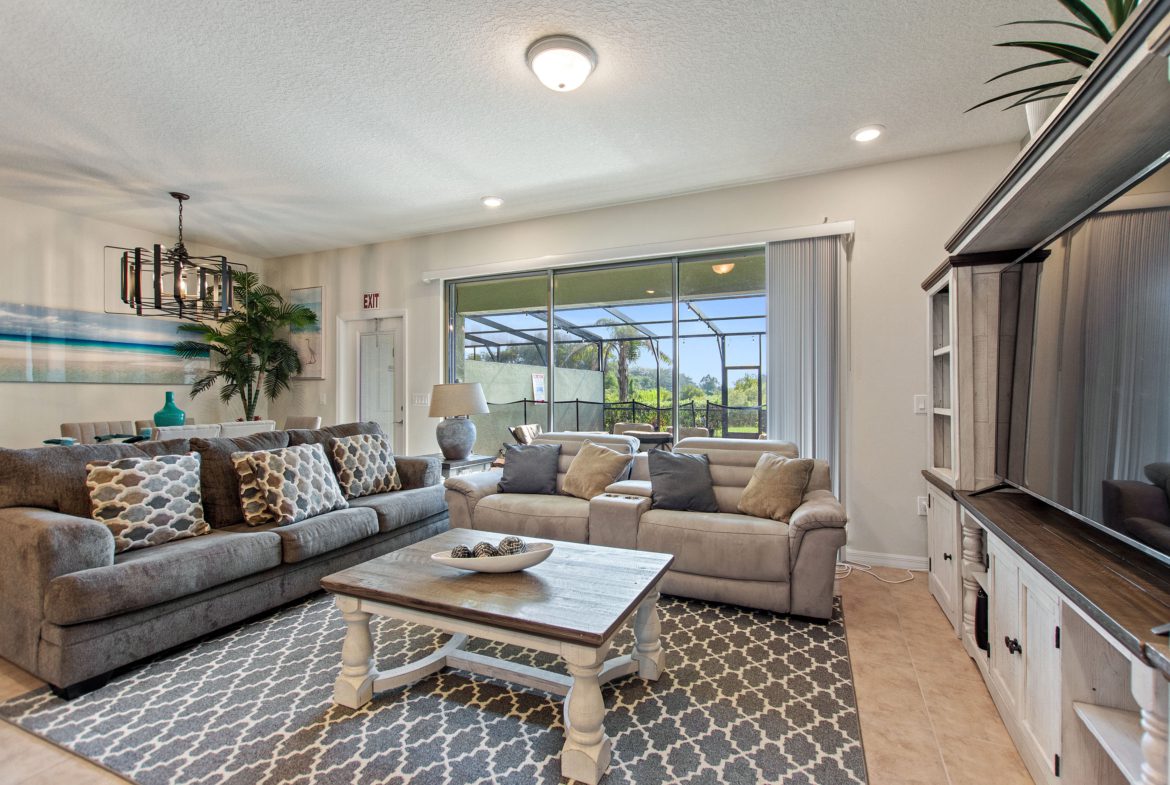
420 399
922 506
920 404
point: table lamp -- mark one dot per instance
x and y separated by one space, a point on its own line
455 403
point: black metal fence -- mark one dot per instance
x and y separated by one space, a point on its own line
746 422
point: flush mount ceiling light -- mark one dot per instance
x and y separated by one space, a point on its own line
492 201
723 269
561 62
867 133
158 281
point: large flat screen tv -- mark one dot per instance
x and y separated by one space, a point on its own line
1085 368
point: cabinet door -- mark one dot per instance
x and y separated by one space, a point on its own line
1039 708
1004 628
941 547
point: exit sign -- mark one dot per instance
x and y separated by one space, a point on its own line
370 300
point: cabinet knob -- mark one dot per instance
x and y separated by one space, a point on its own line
947 557
1012 644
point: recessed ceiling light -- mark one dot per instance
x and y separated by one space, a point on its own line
492 201
723 268
561 62
867 133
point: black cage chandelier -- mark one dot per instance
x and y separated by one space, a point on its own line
161 281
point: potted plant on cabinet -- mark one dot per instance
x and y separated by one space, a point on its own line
1039 100
249 355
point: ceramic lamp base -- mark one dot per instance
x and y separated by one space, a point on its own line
456 437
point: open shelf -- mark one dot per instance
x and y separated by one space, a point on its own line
942 412
942 350
1119 733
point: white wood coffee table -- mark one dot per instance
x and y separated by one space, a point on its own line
571 605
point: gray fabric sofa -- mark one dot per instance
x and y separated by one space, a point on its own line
71 611
723 556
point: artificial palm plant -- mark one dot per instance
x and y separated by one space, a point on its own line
1080 57
250 355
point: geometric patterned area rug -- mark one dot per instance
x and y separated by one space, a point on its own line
747 697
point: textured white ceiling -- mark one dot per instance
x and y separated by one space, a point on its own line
311 125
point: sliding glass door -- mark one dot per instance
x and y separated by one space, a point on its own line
663 342
498 336
614 346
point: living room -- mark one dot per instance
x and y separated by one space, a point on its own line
679 234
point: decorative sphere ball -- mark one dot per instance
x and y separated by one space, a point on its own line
511 545
461 552
485 549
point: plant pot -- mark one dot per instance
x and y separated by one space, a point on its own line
1038 113
170 414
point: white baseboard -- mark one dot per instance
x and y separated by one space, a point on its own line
896 560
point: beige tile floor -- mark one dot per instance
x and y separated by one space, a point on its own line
926 717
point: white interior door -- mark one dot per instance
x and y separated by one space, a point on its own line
379 384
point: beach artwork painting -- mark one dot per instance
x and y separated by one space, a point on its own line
308 341
39 344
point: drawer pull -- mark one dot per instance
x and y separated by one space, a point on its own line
1013 645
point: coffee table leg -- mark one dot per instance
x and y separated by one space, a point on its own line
355 686
586 754
648 651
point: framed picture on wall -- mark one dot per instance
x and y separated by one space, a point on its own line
310 341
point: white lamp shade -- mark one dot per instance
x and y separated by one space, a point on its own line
457 400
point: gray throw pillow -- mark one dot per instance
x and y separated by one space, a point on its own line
530 468
680 481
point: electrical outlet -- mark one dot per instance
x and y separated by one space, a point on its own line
922 505
420 399
920 404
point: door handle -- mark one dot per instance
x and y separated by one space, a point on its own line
1012 644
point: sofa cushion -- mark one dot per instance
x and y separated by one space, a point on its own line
53 478
364 464
299 436
594 467
320 534
147 501
776 487
221 485
141 578
530 468
534 515
718 544
681 482
298 482
397 509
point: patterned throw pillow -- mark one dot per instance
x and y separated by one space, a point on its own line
364 465
253 499
297 483
147 501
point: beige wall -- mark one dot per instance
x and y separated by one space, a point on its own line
903 213
55 259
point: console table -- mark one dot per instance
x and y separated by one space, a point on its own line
1072 664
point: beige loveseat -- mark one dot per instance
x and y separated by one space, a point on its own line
724 556
474 503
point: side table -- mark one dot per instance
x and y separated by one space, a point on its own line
472 463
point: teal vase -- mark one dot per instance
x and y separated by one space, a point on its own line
170 414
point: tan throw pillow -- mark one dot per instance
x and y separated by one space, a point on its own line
776 487
253 496
147 501
593 468
298 483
